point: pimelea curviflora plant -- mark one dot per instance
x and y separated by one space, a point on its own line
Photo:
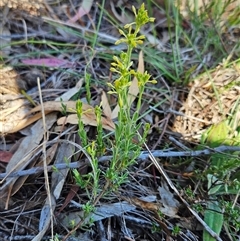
125 150
124 147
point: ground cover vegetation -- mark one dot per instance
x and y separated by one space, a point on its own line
120 120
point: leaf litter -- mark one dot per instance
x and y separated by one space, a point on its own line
59 85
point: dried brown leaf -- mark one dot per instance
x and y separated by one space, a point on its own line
51 106
87 119
64 155
23 123
105 105
71 92
45 218
170 204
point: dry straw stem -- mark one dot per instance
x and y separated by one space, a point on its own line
44 151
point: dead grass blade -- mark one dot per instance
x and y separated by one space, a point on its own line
71 92
88 116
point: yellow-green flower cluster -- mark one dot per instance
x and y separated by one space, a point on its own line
144 78
122 64
141 16
130 38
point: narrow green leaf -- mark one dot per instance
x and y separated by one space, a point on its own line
217 134
213 184
213 217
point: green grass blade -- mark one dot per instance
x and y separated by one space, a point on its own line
214 219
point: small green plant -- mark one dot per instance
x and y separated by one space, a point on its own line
198 207
91 179
88 81
64 108
125 149
125 146
55 238
156 228
189 193
81 132
222 175
88 209
176 230
232 215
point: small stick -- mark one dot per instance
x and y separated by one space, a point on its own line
144 155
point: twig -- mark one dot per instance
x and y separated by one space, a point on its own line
179 144
144 155
163 153
36 170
